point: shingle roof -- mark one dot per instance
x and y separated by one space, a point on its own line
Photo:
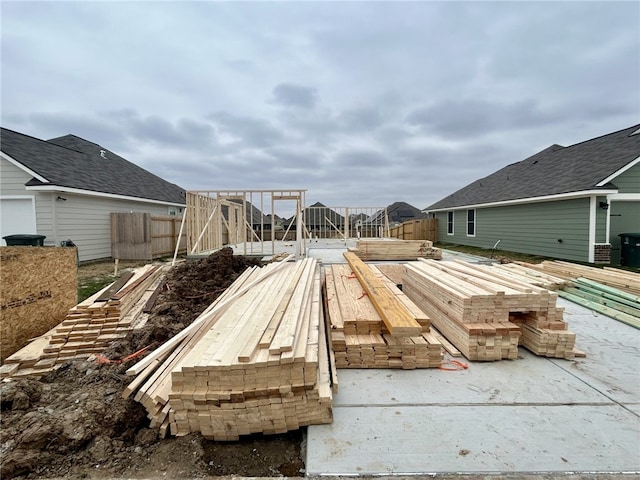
553 171
73 162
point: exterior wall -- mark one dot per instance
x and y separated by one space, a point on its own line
625 218
629 181
17 206
86 221
552 229
83 219
624 209
12 179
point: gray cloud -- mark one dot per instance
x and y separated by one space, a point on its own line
471 117
291 95
361 103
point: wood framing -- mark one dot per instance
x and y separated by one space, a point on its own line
215 218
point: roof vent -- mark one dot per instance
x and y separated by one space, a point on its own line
103 154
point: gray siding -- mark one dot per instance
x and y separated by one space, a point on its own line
86 222
12 179
530 228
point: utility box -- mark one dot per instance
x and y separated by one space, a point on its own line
630 249
24 240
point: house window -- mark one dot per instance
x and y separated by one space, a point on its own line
449 223
471 223
172 211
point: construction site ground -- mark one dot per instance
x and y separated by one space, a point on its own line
525 419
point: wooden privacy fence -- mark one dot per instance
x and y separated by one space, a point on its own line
423 229
143 236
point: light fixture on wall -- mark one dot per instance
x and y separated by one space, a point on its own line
61 199
604 205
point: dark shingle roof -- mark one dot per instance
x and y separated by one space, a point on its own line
73 162
553 171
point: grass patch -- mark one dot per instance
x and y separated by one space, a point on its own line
91 286
490 253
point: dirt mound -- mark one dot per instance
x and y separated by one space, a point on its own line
74 423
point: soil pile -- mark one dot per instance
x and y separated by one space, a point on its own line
74 423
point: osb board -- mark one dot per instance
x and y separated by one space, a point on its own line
38 285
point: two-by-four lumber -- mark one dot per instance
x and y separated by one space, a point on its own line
394 315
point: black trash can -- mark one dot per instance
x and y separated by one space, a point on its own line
630 249
24 240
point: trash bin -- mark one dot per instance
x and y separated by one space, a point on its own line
24 240
630 249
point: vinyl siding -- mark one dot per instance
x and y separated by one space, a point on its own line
530 228
12 179
86 222
629 181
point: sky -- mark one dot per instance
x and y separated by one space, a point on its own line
361 104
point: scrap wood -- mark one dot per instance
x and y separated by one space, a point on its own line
88 328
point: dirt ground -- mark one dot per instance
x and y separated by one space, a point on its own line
74 423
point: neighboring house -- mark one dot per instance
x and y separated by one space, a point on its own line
66 188
397 213
320 220
564 202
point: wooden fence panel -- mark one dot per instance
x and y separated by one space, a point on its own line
164 235
423 229
141 236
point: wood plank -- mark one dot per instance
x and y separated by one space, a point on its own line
396 318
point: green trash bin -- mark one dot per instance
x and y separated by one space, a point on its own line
24 240
630 249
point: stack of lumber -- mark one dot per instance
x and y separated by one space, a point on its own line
615 303
613 277
256 361
523 274
391 249
373 323
89 327
485 313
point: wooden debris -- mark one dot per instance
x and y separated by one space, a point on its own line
89 327
360 338
483 311
392 249
256 361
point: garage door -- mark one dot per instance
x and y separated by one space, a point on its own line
17 215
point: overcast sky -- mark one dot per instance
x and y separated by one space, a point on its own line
359 103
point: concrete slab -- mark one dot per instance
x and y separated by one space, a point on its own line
482 439
527 415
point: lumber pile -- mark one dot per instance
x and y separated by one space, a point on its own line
613 277
373 324
256 361
615 303
392 249
523 274
89 327
485 313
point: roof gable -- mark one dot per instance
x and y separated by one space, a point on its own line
555 170
73 162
